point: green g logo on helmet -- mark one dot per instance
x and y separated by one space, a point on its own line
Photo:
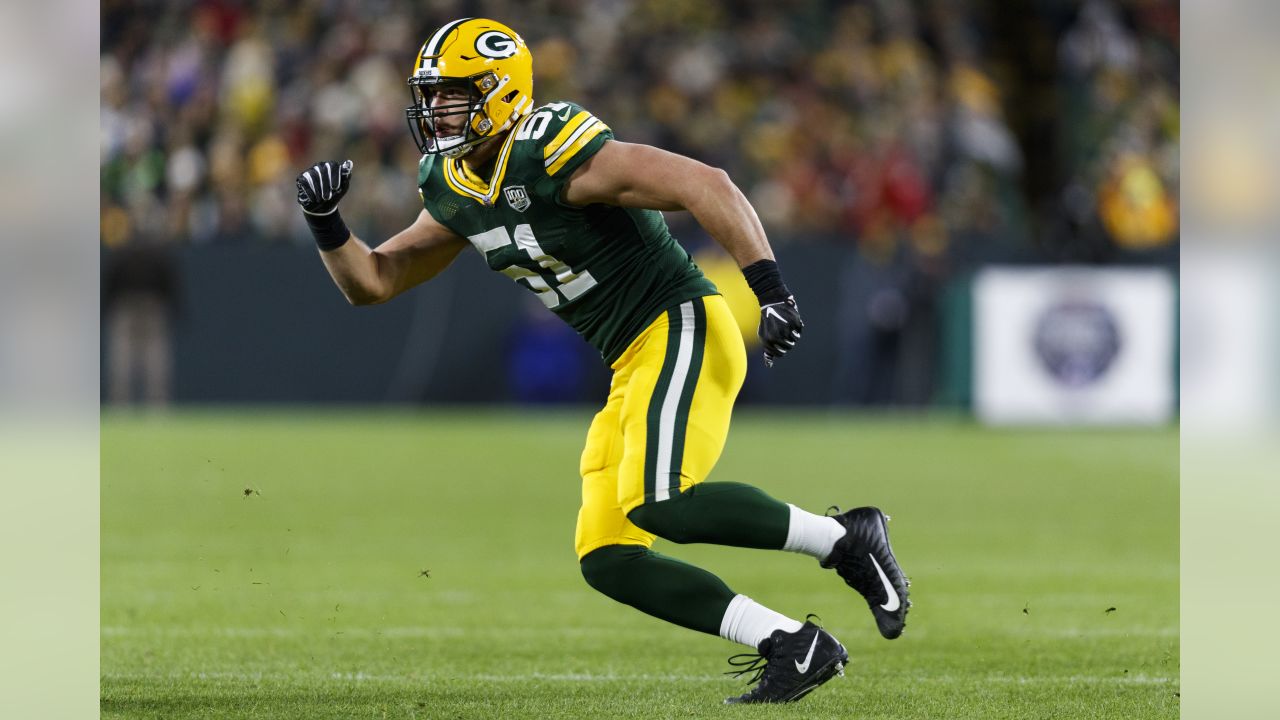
496 44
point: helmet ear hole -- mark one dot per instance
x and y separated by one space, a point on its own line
510 96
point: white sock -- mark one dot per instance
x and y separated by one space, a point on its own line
748 622
811 534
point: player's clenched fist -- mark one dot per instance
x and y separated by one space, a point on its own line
780 322
321 186
780 327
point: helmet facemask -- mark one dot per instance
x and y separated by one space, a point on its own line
468 97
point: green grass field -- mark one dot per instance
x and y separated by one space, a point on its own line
388 564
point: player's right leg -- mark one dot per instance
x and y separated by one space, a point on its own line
615 557
614 553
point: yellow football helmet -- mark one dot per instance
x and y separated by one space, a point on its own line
485 71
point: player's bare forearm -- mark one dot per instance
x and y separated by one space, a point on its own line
354 269
724 212
413 256
647 177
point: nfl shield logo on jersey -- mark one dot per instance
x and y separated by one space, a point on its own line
517 198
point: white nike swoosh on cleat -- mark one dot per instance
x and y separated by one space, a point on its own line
802 669
894 603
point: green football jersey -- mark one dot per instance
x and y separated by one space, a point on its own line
607 271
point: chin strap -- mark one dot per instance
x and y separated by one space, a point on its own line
461 151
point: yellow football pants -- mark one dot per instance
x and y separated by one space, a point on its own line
665 422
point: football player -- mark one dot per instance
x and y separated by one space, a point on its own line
551 200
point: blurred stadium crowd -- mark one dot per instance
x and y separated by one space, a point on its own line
864 121
930 135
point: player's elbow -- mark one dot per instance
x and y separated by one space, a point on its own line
715 180
359 295
717 177
367 300
708 185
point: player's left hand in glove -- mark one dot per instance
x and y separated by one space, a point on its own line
780 327
321 186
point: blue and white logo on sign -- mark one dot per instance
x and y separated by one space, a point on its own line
1077 342
496 45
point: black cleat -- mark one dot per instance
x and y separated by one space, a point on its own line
865 561
789 665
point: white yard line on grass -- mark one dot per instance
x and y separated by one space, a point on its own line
1120 631
252 632
454 632
1127 679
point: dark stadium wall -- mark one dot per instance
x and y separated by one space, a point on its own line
264 324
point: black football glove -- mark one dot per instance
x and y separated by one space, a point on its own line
322 185
780 327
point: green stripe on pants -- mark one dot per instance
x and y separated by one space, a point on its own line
653 423
699 341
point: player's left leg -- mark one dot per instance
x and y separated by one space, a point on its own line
674 443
